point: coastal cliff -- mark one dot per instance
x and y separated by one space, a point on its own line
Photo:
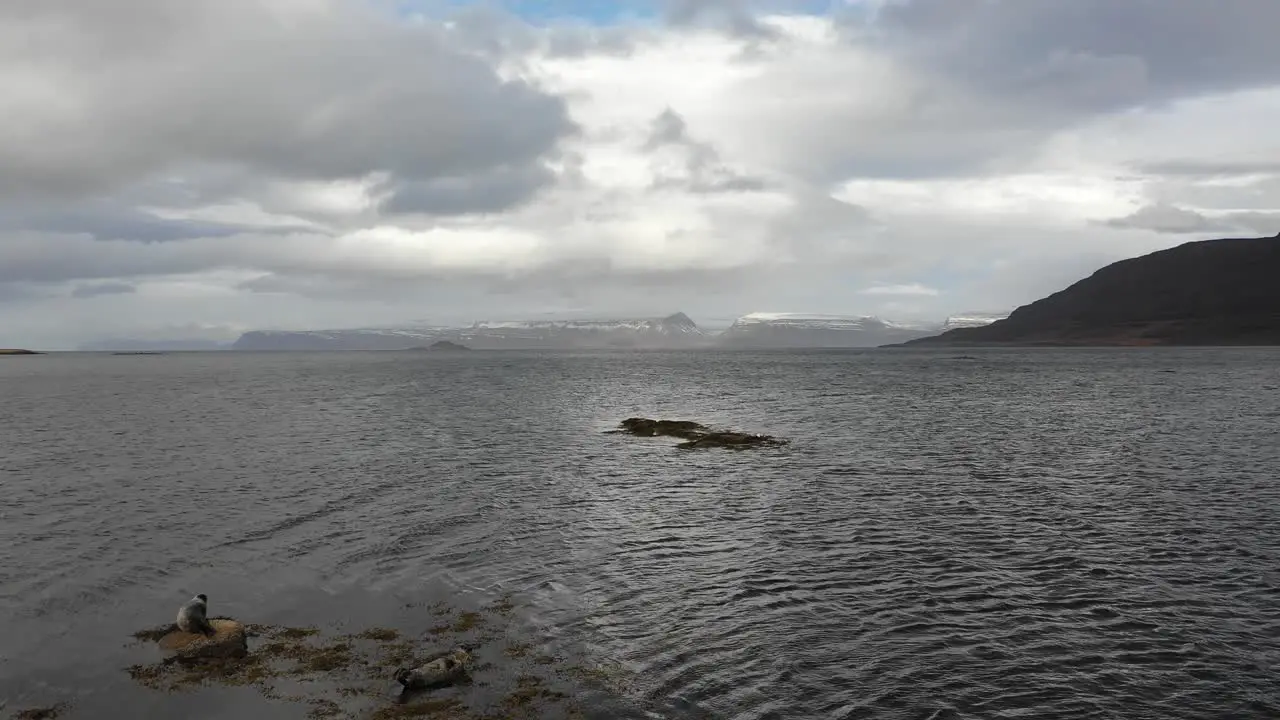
1209 292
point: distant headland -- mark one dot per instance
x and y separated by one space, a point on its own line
1208 292
443 346
18 351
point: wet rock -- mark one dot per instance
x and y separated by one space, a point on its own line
229 640
644 427
695 435
733 440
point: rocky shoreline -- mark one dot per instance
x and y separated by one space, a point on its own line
353 674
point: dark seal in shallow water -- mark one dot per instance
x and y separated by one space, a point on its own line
443 669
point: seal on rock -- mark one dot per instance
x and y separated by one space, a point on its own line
444 669
193 617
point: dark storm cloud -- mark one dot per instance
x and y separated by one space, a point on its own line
490 192
110 222
105 288
21 291
315 89
46 258
1089 55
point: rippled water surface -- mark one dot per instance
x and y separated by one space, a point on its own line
1031 534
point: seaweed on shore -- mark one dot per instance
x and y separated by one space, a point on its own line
351 675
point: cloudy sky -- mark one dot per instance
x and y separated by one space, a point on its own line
199 168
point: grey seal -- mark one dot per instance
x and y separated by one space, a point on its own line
443 669
193 616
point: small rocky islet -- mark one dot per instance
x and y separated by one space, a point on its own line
442 346
695 435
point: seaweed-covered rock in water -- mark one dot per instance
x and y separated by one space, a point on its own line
734 440
229 640
695 435
644 427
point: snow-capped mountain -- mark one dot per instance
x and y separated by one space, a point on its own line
675 331
799 330
352 339
678 324
972 319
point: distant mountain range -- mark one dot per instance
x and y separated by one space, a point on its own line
791 330
678 331
1208 292
133 345
673 331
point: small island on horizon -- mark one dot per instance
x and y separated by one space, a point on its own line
18 351
442 346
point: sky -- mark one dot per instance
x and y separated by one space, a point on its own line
195 170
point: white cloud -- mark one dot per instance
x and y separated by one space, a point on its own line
1168 219
908 290
1051 198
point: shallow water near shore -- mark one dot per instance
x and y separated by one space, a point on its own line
988 534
